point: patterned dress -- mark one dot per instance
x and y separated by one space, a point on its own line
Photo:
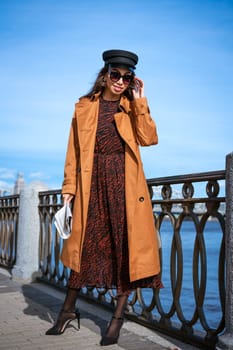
104 260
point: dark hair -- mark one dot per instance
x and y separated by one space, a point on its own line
98 85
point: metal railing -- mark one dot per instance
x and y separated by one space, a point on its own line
9 208
189 213
191 266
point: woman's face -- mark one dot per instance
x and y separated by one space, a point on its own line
117 81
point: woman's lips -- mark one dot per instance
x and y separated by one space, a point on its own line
117 88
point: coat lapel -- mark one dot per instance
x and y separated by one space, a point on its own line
87 118
124 127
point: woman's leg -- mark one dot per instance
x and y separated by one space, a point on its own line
67 314
113 331
121 305
70 300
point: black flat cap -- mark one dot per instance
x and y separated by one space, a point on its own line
120 57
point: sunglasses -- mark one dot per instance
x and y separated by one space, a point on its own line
115 76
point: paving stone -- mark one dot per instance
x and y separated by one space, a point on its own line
29 309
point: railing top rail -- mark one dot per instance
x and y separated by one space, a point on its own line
43 193
196 177
11 196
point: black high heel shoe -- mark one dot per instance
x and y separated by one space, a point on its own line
105 341
64 319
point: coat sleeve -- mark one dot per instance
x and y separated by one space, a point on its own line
72 161
144 126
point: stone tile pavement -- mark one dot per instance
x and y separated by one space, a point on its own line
27 310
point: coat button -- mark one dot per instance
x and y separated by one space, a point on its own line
141 199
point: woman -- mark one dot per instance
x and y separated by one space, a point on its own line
113 242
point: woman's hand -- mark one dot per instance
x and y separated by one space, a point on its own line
67 198
138 90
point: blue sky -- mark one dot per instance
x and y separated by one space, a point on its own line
50 53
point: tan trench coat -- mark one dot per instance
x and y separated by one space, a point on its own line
136 127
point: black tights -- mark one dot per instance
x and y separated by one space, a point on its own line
70 300
72 294
115 325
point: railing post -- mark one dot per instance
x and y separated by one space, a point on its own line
27 255
226 340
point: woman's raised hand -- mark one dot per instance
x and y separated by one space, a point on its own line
138 90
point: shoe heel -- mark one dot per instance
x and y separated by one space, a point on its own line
78 318
61 325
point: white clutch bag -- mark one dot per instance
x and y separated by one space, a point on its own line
63 221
